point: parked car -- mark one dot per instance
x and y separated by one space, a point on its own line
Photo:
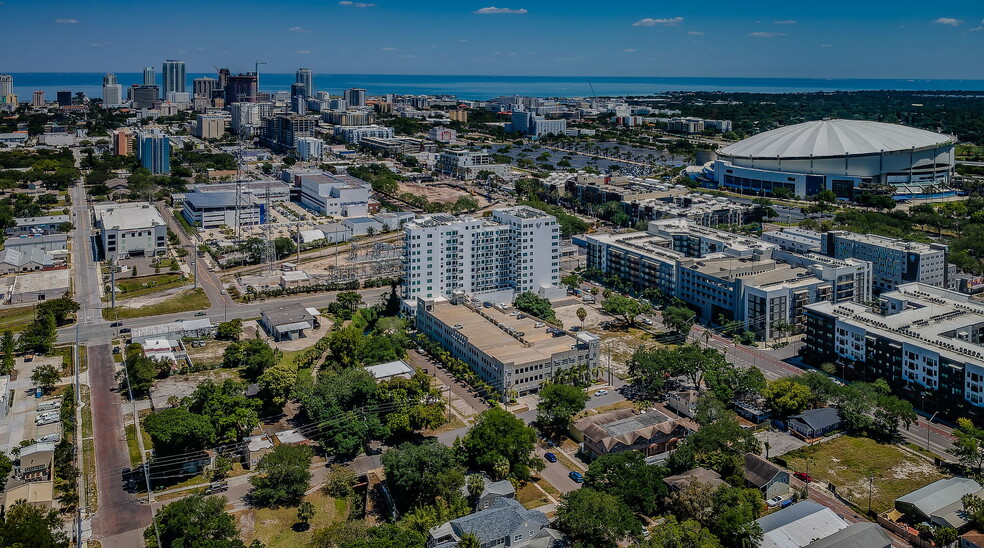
116 350
41 421
116 324
550 457
50 438
203 313
647 321
576 476
216 487
521 317
538 324
601 392
774 501
803 476
125 330
50 405
487 304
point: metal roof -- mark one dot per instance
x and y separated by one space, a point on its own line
939 494
834 138
799 525
216 199
857 535
818 419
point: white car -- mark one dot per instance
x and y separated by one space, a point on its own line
41 421
50 438
601 392
774 501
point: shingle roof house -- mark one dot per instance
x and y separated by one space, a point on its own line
506 523
815 422
766 476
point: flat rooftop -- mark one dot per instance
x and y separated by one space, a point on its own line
42 281
884 241
127 216
933 318
286 314
481 332
642 242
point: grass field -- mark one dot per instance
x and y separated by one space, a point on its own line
274 527
147 285
185 301
132 446
847 462
531 497
16 319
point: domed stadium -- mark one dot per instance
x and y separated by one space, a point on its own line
837 155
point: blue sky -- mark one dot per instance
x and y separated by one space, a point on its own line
791 38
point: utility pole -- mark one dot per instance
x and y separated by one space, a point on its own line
112 283
194 263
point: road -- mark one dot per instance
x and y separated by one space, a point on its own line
120 518
207 279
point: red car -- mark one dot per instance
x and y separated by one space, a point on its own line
803 476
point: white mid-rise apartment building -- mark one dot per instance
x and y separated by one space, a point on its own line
128 230
517 249
894 262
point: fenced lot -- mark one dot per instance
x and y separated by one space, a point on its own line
847 462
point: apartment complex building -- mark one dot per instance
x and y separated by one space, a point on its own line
128 230
924 340
467 164
516 249
894 261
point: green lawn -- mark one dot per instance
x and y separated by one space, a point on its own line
185 301
132 446
847 462
16 319
274 527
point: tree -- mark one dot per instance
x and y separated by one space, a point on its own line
305 512
277 383
195 522
255 356
221 469
969 446
339 481
787 397
627 476
729 383
534 305
227 407
734 515
682 534
500 435
59 308
475 484
468 540
8 345
140 370
230 330
581 315
25 524
421 473
625 307
572 281
692 502
177 430
349 299
284 246
720 444
39 335
678 318
558 403
6 466
46 377
346 346
593 518
891 413
283 476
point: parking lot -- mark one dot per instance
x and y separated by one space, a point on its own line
19 423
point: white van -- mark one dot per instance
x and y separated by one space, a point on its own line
50 405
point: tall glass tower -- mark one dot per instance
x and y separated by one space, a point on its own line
305 77
149 77
174 77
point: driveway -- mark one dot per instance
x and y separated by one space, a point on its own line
557 474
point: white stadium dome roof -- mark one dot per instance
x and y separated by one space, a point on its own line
833 138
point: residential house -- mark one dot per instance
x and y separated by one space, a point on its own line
654 432
492 491
701 475
815 423
255 448
799 525
35 462
972 539
864 534
505 523
683 402
766 476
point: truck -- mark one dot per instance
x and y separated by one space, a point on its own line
50 405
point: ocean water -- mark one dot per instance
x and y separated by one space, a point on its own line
485 87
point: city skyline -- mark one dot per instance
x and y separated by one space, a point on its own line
764 39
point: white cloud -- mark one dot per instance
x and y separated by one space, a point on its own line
494 10
631 50
785 22
981 27
826 45
298 29
462 40
766 34
388 49
948 21
650 22
94 45
66 21
303 52
696 33
355 4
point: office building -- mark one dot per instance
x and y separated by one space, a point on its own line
306 78
334 194
144 96
795 240
6 85
515 356
130 230
514 250
154 151
112 91
926 341
458 116
529 123
37 100
310 148
689 126
281 132
355 97
210 126
149 78
355 134
836 155
173 75
204 87
443 134
241 88
394 146
894 261
466 164
182 98
349 117
215 209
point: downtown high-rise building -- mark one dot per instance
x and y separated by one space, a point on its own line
149 78
38 99
112 92
154 151
173 76
304 76
204 87
241 88
6 85
355 97
64 98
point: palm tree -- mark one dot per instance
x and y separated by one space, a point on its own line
501 468
581 315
